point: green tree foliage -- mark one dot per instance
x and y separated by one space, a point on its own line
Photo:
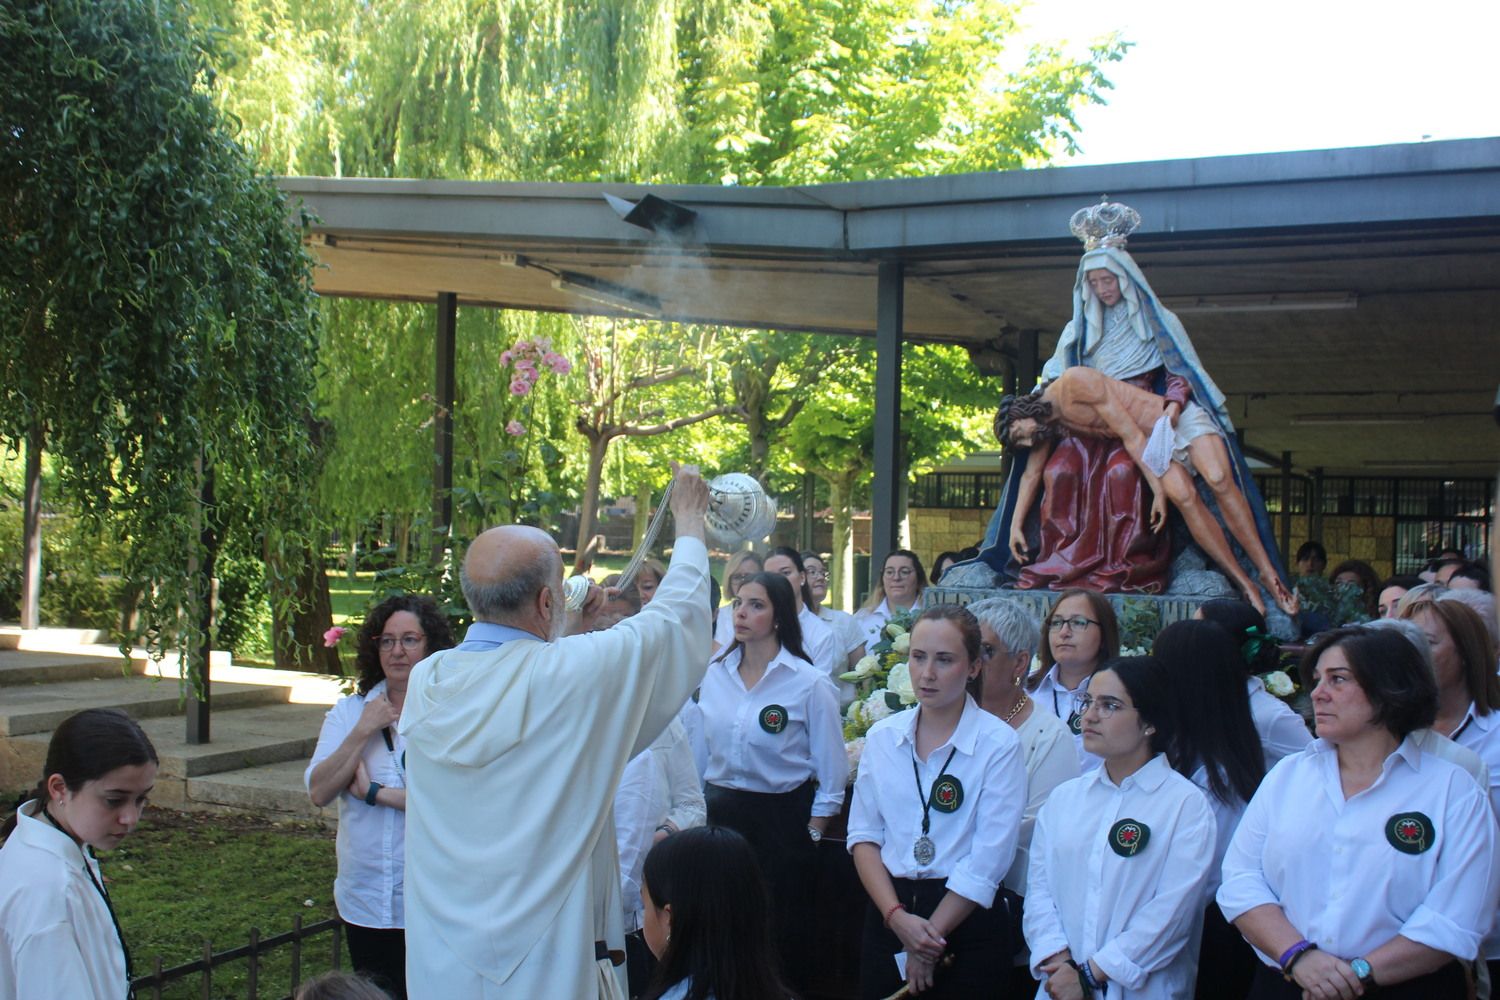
156 314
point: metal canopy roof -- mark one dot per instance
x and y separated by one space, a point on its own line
1345 300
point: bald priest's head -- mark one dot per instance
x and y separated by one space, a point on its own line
513 575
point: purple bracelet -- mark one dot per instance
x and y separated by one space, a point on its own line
1289 957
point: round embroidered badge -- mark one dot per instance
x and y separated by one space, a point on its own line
1128 837
1410 832
1075 723
947 794
773 718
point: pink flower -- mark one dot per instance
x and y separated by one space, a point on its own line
523 347
332 636
519 387
515 429
504 358
527 370
557 363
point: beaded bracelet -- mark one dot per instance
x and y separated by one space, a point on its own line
898 905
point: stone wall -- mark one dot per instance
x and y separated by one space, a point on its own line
938 529
1369 539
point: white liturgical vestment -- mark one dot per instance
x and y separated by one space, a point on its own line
513 757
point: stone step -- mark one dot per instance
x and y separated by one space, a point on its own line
246 737
38 708
19 666
275 789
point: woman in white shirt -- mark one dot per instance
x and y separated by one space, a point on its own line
59 936
1008 637
1364 861
933 829
775 749
1120 856
1216 747
1281 730
851 637
898 588
1078 634
818 640
360 761
740 568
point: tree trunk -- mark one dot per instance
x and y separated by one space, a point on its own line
297 630
642 516
31 532
841 558
598 446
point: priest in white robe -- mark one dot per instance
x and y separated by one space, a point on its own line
516 740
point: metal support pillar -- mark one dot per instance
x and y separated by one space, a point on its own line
443 398
1029 363
1315 506
1286 503
885 495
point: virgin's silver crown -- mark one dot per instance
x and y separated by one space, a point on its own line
1107 224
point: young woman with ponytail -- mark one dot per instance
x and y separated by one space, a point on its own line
59 937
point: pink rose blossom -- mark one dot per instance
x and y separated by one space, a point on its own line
515 429
559 364
332 636
519 387
504 358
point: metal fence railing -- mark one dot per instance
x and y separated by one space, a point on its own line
150 985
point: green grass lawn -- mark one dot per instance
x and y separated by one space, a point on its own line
183 878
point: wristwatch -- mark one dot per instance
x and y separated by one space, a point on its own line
375 788
1364 972
814 833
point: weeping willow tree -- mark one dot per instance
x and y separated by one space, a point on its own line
157 324
655 91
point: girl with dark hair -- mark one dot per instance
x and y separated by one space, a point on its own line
1078 634
1280 729
774 746
899 588
817 637
931 853
1357 573
1120 857
360 761
59 936
1364 861
1219 751
707 919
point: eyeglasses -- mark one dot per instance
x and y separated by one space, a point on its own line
819 573
1106 706
409 642
1076 624
900 571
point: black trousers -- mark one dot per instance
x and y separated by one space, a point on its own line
1227 958
776 827
1447 983
379 954
980 946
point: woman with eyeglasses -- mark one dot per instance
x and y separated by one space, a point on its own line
899 588
360 761
1364 862
1079 633
933 827
1120 857
739 569
850 636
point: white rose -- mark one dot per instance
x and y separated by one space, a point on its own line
875 707
898 682
1278 683
901 644
894 629
854 749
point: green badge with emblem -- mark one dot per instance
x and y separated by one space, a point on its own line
947 794
1075 723
1129 837
1410 832
773 718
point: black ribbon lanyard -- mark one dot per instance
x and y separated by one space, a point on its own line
390 748
103 894
927 798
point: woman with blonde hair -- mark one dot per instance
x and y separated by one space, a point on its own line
737 570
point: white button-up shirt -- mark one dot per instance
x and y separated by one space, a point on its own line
1281 730
821 644
640 806
1481 733
1052 696
370 886
1136 915
850 635
745 753
1051 759
56 936
976 842
1334 866
872 621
